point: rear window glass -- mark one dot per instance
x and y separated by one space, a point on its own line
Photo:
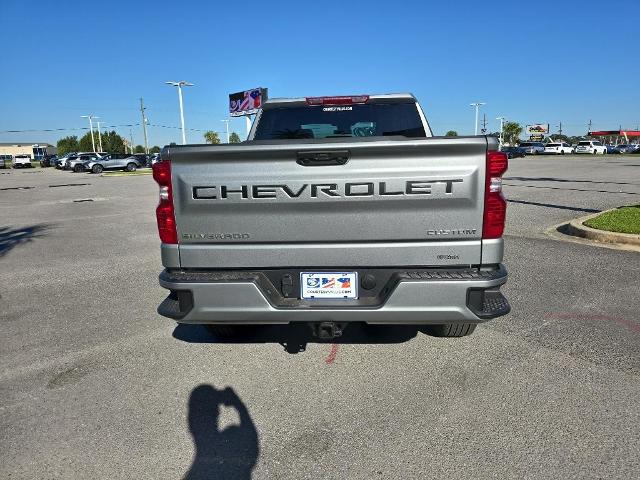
553 144
334 121
583 143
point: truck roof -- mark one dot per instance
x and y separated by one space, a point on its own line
378 98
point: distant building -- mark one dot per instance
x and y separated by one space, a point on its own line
35 150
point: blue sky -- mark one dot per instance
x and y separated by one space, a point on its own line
569 61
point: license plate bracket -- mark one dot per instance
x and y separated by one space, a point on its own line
329 285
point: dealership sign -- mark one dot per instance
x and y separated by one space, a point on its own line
538 129
247 102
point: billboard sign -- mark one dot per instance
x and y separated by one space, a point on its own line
538 129
536 138
247 102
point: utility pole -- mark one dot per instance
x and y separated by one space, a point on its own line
484 123
91 117
477 105
560 128
502 119
99 136
227 122
131 138
144 127
589 126
180 84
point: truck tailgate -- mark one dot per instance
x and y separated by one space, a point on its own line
338 202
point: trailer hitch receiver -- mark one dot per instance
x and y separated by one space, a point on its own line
327 330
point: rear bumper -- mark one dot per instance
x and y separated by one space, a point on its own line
424 296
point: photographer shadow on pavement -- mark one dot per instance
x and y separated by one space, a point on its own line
294 337
231 453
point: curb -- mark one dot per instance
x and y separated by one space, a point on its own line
577 228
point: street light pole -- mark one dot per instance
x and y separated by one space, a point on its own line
477 105
99 136
501 128
227 123
93 142
180 84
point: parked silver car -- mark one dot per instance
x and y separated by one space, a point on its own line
114 161
532 148
76 164
627 148
65 162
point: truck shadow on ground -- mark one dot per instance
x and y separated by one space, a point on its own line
295 337
11 238
229 453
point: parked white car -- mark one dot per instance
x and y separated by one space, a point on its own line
558 148
591 146
22 161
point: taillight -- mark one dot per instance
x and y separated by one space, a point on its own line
343 100
164 212
495 206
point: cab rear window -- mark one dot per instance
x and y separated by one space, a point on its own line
335 121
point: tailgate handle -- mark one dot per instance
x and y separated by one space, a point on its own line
319 159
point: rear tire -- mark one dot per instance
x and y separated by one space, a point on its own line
131 167
78 168
97 169
449 330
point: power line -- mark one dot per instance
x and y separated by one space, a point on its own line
65 129
105 126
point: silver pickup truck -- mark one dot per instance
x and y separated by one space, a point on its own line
336 210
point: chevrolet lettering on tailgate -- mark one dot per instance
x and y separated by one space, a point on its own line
332 189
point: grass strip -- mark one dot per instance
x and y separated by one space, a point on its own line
621 220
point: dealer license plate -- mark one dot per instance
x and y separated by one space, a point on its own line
329 284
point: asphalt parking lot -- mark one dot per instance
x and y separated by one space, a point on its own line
95 384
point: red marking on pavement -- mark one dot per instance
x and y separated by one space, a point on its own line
332 355
633 326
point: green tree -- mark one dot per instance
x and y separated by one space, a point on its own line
155 149
234 138
511 132
67 144
85 145
451 133
112 142
211 137
138 149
